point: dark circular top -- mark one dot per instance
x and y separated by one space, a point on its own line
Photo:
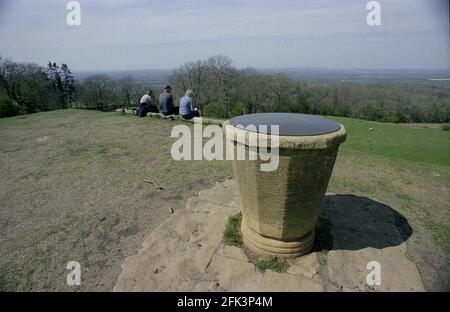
289 124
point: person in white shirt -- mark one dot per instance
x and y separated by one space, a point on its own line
147 104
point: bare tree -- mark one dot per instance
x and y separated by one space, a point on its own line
192 76
98 92
253 90
127 85
283 91
221 74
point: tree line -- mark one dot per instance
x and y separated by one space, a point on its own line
222 90
29 88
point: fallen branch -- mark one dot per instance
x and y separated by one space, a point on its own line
154 183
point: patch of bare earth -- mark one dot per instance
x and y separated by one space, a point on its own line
77 186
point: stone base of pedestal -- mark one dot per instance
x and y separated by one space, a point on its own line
266 246
186 252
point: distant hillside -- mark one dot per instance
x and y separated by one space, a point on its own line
440 77
148 76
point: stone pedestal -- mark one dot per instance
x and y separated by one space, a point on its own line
280 208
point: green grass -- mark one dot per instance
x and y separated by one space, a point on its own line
404 165
232 233
429 145
272 263
232 236
441 233
426 145
15 278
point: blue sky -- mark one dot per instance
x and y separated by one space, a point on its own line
136 34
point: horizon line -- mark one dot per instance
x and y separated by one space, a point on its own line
275 68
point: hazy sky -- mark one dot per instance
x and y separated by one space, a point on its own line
137 34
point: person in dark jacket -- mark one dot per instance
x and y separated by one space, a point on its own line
166 101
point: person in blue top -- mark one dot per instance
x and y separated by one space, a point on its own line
187 106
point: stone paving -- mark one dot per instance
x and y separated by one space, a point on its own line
186 253
203 120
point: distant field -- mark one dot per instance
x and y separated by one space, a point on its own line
158 77
73 188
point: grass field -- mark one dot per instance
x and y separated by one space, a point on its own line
409 165
73 187
427 145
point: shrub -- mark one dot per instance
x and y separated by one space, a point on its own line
213 110
8 108
237 110
232 234
445 127
272 263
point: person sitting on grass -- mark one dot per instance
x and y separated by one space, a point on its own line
187 106
166 102
147 104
